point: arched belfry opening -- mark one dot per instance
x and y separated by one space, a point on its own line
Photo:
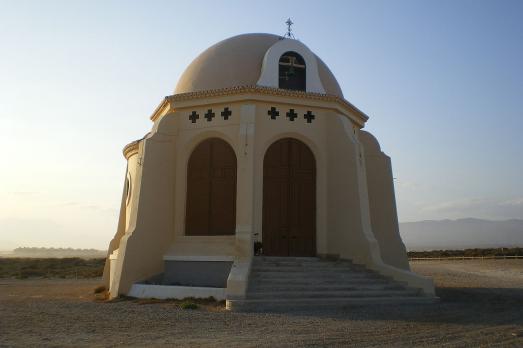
211 190
292 72
289 199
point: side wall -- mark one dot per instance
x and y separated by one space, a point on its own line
382 203
349 231
150 224
120 231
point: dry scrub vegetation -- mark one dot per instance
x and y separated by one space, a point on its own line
72 267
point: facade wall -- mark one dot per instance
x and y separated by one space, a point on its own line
154 222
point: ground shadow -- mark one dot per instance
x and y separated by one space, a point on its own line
495 306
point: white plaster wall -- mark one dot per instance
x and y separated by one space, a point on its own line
269 73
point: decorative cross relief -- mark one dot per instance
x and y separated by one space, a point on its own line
226 113
273 113
309 116
193 117
292 115
209 115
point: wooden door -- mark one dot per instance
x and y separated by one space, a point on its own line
211 190
289 200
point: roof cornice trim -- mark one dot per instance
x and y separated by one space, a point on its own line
271 91
131 149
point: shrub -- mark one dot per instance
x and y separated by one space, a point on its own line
188 305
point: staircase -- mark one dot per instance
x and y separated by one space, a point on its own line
310 283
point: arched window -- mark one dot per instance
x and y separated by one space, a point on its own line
291 71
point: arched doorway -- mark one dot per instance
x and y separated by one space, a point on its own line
211 190
289 199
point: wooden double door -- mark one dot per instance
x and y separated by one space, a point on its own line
211 190
289 199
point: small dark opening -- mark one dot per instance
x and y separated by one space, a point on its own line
292 71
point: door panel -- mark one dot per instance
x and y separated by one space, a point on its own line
211 190
289 199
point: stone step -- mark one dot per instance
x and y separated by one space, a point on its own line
309 269
311 263
286 284
341 276
329 294
314 282
324 287
289 305
285 259
307 263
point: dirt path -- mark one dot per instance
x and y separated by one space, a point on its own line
482 305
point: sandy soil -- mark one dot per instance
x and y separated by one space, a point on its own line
481 305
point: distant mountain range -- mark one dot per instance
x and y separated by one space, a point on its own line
461 234
417 236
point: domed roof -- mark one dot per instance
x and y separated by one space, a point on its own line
237 61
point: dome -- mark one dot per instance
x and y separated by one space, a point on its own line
237 61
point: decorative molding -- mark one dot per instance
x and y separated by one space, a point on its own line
273 113
226 113
309 116
291 115
260 90
131 149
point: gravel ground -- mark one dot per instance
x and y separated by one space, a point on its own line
481 305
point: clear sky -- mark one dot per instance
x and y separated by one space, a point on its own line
442 82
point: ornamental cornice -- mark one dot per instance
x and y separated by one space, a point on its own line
131 149
255 90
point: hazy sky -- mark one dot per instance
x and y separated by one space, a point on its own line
442 82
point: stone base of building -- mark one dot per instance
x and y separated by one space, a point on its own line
164 292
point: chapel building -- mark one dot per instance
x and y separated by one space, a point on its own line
258 184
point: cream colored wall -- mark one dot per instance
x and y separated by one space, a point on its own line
156 212
115 242
346 215
150 223
382 203
132 174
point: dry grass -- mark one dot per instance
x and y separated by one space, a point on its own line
72 267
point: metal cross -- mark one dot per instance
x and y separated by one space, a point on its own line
273 113
193 117
292 115
226 113
289 33
309 116
209 115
